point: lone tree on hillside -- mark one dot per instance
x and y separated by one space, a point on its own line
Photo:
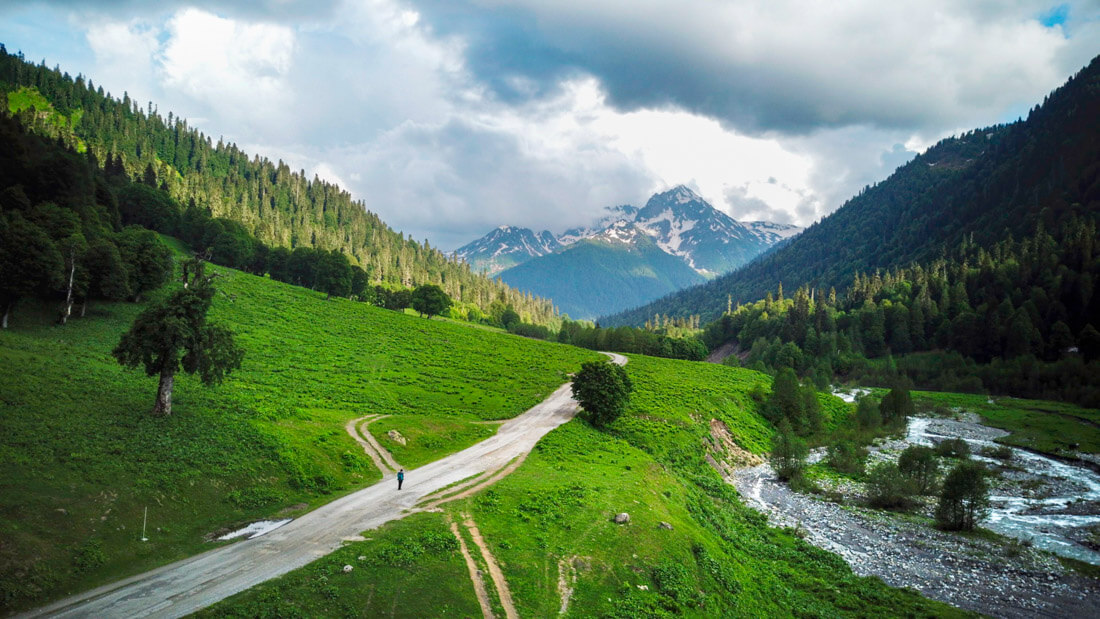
964 500
603 389
429 300
173 334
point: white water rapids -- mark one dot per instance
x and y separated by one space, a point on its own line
1033 518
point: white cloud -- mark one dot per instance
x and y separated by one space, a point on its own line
238 68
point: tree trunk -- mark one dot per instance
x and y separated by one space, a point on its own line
163 406
83 307
68 309
7 312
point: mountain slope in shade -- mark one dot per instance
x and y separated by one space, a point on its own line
619 269
505 247
979 187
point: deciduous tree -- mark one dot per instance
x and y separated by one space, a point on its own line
603 390
173 335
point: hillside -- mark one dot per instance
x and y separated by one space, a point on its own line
80 457
280 207
690 549
620 269
980 186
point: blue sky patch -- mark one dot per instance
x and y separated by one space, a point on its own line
1055 16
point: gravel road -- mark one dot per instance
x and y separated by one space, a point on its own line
181 588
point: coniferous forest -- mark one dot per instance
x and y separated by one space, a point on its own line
253 213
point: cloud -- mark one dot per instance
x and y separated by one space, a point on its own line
773 65
450 118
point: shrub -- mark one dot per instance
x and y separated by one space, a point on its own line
889 488
919 464
1000 452
846 456
953 448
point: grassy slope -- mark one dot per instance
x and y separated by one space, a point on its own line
719 558
80 457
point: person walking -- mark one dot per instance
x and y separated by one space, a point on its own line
400 478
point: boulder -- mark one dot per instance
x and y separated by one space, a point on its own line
396 436
623 518
664 525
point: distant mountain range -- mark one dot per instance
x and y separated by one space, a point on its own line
627 256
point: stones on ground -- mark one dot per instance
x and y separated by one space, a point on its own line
348 568
396 437
623 518
664 525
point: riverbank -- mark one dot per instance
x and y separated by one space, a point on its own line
1046 502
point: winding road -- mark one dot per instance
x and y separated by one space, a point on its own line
186 586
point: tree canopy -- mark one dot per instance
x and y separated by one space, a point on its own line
173 335
603 390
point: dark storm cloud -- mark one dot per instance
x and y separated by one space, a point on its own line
773 66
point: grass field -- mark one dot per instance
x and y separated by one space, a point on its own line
553 519
80 458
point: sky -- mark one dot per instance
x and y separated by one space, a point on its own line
449 118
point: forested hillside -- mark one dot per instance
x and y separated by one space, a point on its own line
982 186
1020 318
276 205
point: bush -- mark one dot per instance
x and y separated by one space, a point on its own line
964 500
846 456
868 416
953 448
1000 452
889 488
919 464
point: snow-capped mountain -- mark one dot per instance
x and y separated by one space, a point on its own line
505 247
608 216
635 252
770 232
685 225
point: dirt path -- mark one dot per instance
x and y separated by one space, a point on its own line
495 573
183 587
475 574
378 454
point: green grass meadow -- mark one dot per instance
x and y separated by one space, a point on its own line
80 457
554 513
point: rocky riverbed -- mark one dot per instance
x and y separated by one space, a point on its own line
987 574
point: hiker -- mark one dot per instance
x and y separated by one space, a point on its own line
400 478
